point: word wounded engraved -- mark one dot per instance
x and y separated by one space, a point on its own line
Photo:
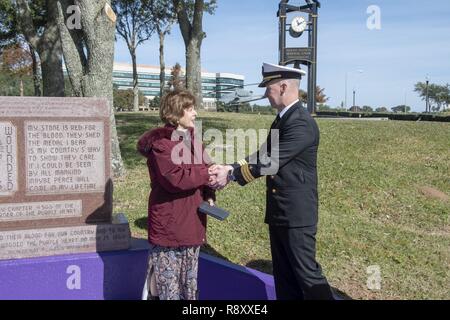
8 159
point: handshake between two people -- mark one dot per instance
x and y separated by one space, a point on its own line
219 176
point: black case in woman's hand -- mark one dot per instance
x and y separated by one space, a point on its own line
213 211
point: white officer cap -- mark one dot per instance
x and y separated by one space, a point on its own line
273 71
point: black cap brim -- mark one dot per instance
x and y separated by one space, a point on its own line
264 83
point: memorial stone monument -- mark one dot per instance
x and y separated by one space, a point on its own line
55 178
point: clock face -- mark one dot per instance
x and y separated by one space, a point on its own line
298 24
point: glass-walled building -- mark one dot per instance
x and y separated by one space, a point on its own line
214 85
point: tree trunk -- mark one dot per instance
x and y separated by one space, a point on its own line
36 78
21 87
99 82
135 81
50 54
192 35
52 74
193 70
94 86
91 75
162 63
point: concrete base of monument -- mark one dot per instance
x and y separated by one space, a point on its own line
121 275
39 242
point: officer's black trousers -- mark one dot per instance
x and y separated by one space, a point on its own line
296 272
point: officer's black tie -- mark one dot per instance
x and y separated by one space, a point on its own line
275 122
269 140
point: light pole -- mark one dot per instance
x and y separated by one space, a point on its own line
354 98
346 80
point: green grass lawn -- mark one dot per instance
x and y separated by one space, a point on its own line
371 212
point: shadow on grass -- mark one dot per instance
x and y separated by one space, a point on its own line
340 294
141 223
261 265
206 248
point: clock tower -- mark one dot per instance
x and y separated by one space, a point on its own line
300 55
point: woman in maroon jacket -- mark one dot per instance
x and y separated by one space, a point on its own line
179 182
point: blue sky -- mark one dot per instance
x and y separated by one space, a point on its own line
413 42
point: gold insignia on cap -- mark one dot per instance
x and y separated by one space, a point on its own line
272 77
